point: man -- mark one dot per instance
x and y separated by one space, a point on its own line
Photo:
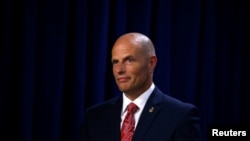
155 117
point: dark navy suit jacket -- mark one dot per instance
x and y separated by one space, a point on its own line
163 119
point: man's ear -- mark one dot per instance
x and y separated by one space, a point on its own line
152 62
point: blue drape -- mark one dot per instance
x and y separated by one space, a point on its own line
55 60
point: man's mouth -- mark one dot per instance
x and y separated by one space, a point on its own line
122 79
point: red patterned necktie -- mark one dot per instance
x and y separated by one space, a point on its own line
128 125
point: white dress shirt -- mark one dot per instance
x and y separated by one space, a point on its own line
139 101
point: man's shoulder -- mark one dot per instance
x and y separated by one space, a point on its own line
169 101
109 104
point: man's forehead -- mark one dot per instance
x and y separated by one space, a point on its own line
123 48
123 55
126 47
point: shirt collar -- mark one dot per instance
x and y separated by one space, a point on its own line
139 101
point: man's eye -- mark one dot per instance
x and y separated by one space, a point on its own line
130 60
114 62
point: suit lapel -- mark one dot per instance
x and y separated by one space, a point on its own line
149 112
115 120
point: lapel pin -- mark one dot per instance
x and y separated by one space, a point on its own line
151 109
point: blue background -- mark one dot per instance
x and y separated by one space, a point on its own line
55 60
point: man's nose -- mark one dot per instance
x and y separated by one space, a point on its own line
120 68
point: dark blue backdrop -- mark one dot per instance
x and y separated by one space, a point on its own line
55 60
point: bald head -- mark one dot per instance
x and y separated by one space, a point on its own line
138 40
134 60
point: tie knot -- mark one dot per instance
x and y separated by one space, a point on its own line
132 108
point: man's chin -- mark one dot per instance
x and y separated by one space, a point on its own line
123 89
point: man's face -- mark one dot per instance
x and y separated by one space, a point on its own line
131 68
